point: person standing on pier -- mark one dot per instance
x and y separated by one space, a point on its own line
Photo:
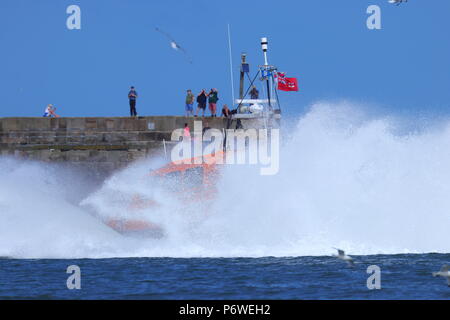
189 103
132 96
212 99
201 100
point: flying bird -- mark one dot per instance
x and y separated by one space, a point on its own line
342 256
444 272
397 2
174 45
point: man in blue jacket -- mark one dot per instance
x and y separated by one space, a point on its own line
132 96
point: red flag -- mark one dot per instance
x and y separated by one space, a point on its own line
286 84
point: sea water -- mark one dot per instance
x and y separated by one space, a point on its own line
371 184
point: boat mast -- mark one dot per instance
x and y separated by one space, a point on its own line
264 45
244 69
231 63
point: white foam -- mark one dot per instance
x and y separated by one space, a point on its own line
346 180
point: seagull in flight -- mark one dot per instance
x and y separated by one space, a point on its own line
342 256
444 272
174 44
397 2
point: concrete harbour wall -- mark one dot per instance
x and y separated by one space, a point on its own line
98 144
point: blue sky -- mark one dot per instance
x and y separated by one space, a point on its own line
403 67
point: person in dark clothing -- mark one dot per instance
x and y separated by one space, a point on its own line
206 128
225 111
254 93
201 101
212 99
132 96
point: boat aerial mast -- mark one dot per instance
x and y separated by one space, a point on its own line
263 109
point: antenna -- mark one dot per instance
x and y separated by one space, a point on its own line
244 69
264 45
267 69
231 64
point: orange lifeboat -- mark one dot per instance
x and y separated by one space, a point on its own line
190 181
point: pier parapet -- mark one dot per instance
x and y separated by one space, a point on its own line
100 144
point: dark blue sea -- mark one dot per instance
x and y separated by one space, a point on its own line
402 277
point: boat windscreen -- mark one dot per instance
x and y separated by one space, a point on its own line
194 177
177 181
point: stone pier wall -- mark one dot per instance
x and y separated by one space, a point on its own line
98 144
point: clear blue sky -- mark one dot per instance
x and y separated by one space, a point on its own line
326 44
